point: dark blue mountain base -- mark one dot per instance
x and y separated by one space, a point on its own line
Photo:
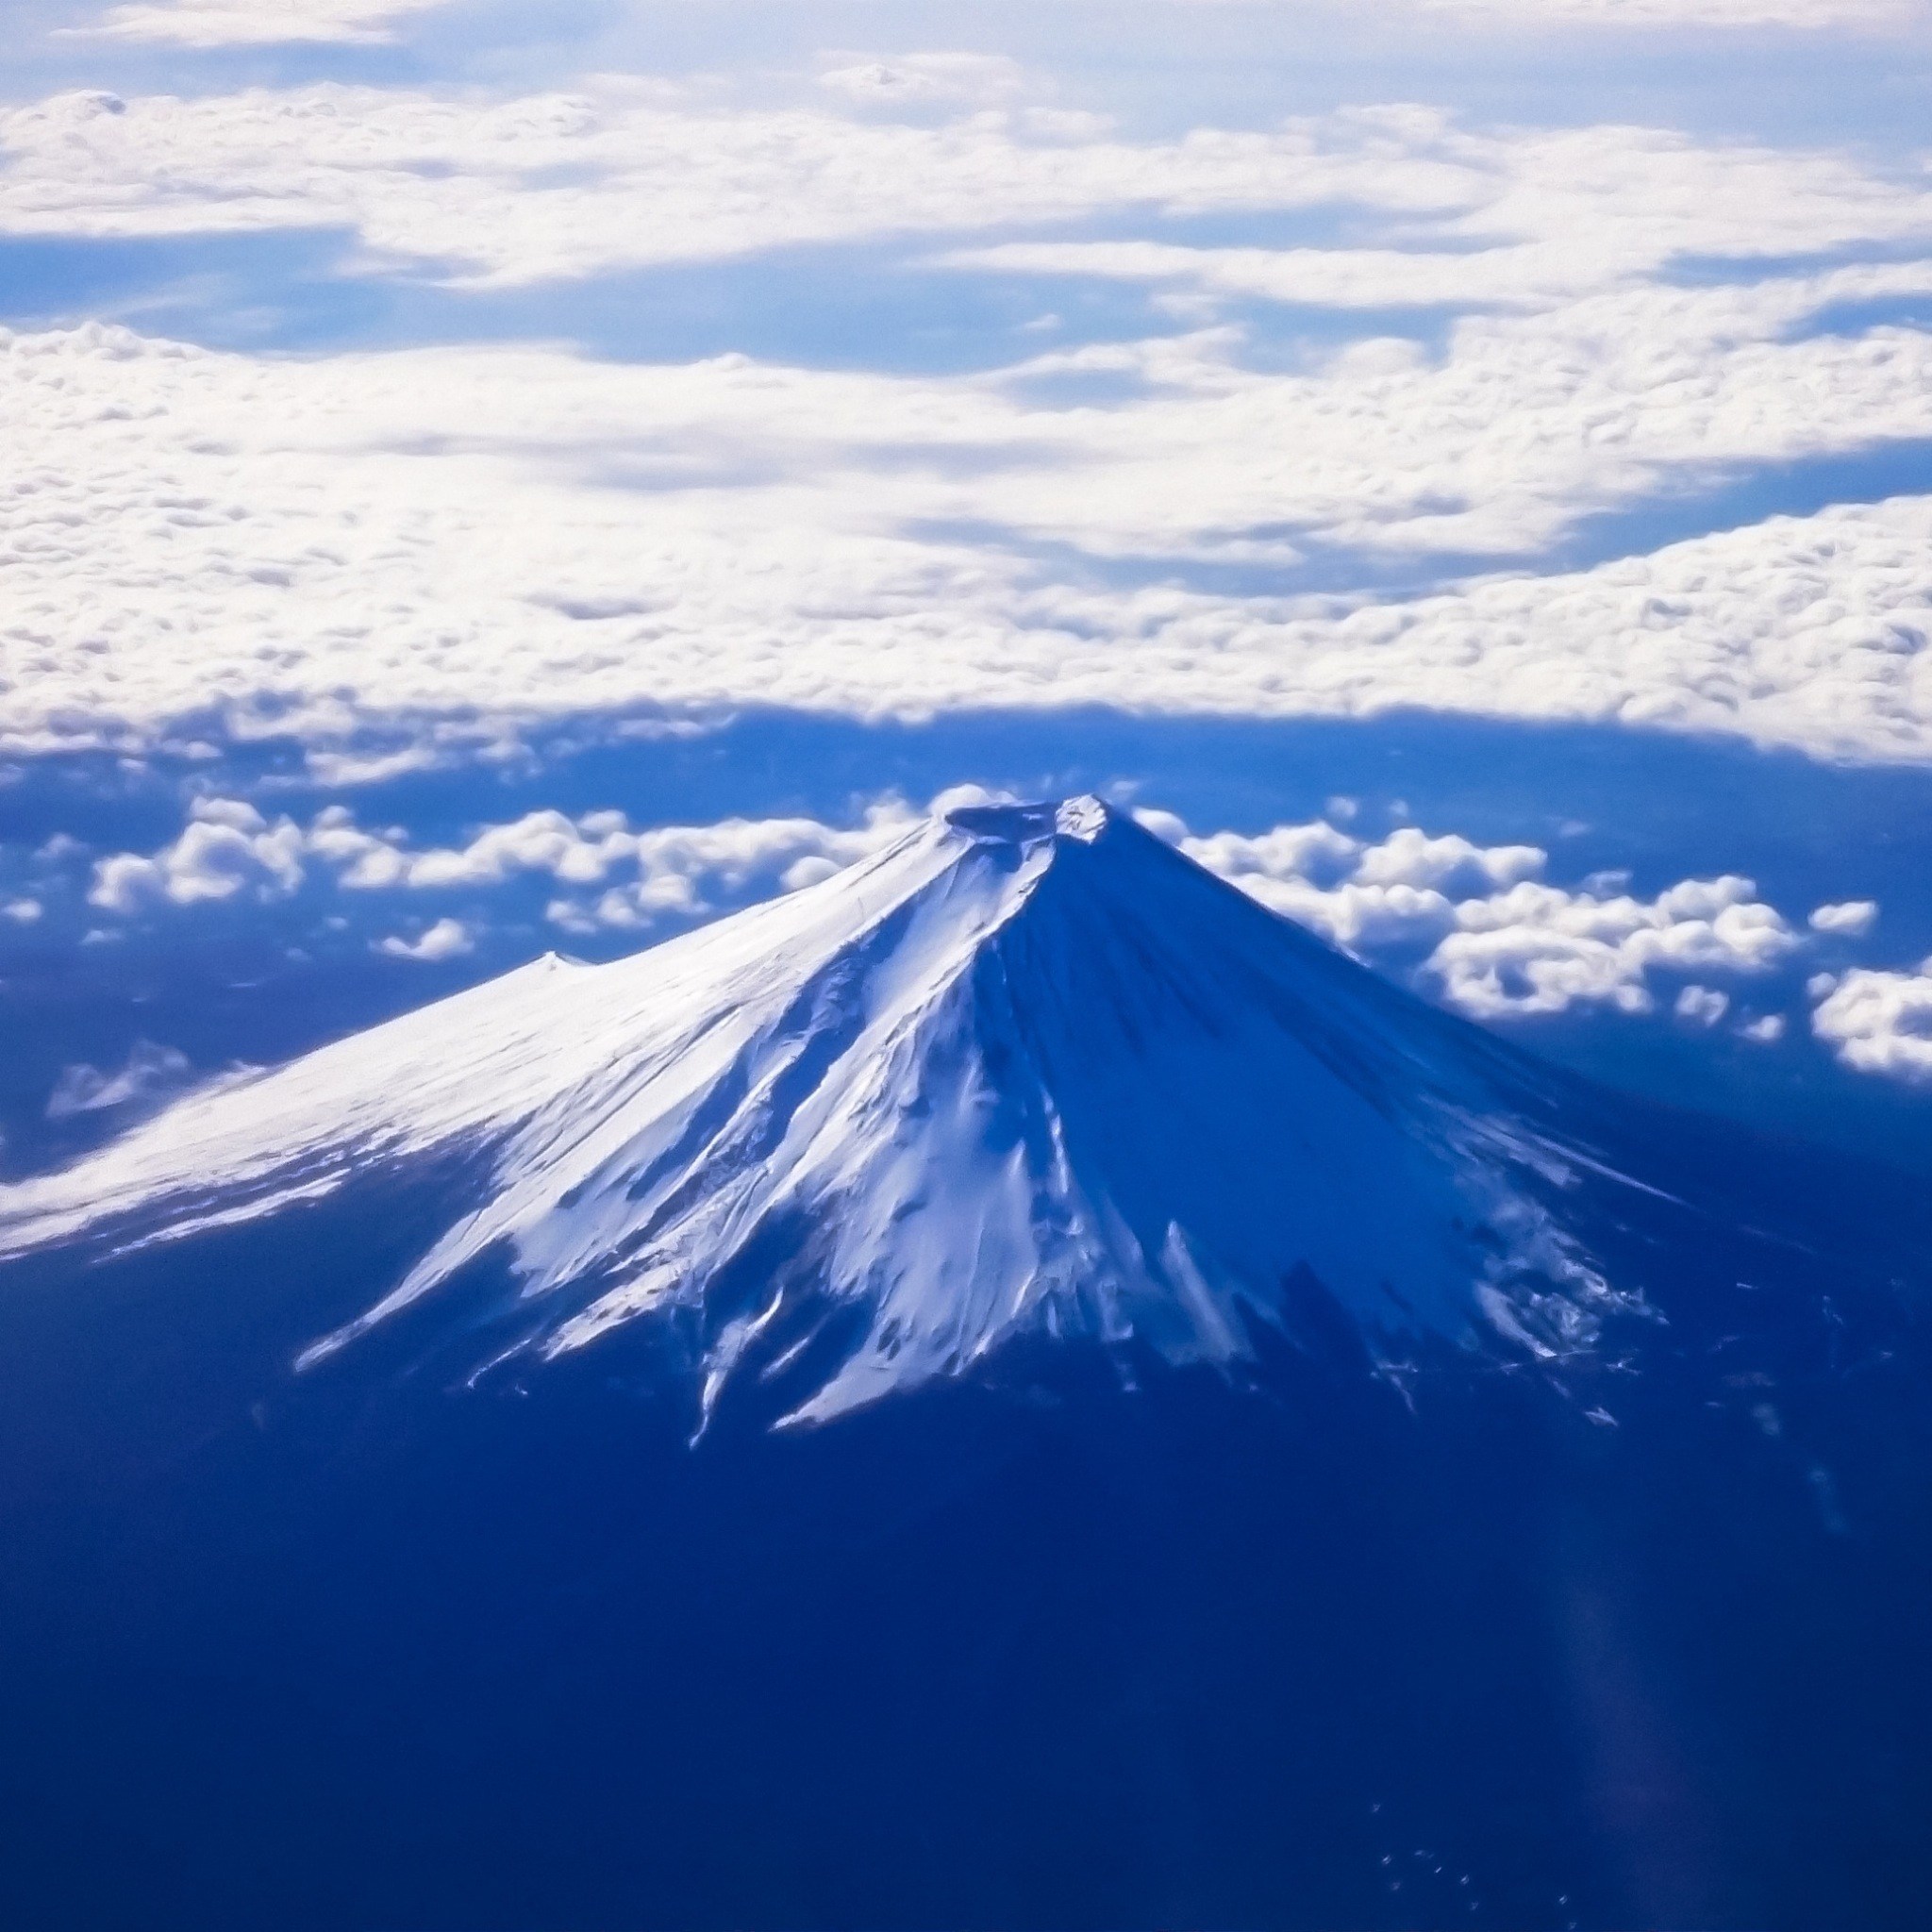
372 1648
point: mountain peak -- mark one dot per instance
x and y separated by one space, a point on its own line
1083 818
1028 1072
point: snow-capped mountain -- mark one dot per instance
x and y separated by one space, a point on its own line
1030 1071
1517 1517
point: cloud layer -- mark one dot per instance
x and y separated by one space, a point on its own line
1504 943
1479 927
452 544
447 546
629 172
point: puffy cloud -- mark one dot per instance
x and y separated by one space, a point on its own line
1356 894
254 23
227 847
1410 856
1538 949
1479 926
1704 1005
21 912
615 874
451 544
683 869
1880 1022
1849 918
674 870
1767 1030
448 938
1504 943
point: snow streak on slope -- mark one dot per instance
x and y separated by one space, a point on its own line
1027 1072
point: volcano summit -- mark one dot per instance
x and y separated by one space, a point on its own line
1028 1073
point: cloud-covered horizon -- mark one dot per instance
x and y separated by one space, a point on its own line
473 540
1192 516
397 387
635 171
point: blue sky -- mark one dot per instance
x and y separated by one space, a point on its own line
485 479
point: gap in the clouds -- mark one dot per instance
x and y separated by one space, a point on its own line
888 307
257 981
1747 271
1739 500
132 67
1857 318
311 291
287 289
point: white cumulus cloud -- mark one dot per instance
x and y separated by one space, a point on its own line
448 939
1503 943
1538 949
227 847
1879 1022
610 874
1704 1005
1850 918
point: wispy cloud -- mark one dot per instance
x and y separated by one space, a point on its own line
1650 14
256 23
151 1072
625 174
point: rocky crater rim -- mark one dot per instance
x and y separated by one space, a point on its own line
1083 817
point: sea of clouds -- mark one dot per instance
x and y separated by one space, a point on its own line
1384 406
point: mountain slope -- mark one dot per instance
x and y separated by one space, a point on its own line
1028 1072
